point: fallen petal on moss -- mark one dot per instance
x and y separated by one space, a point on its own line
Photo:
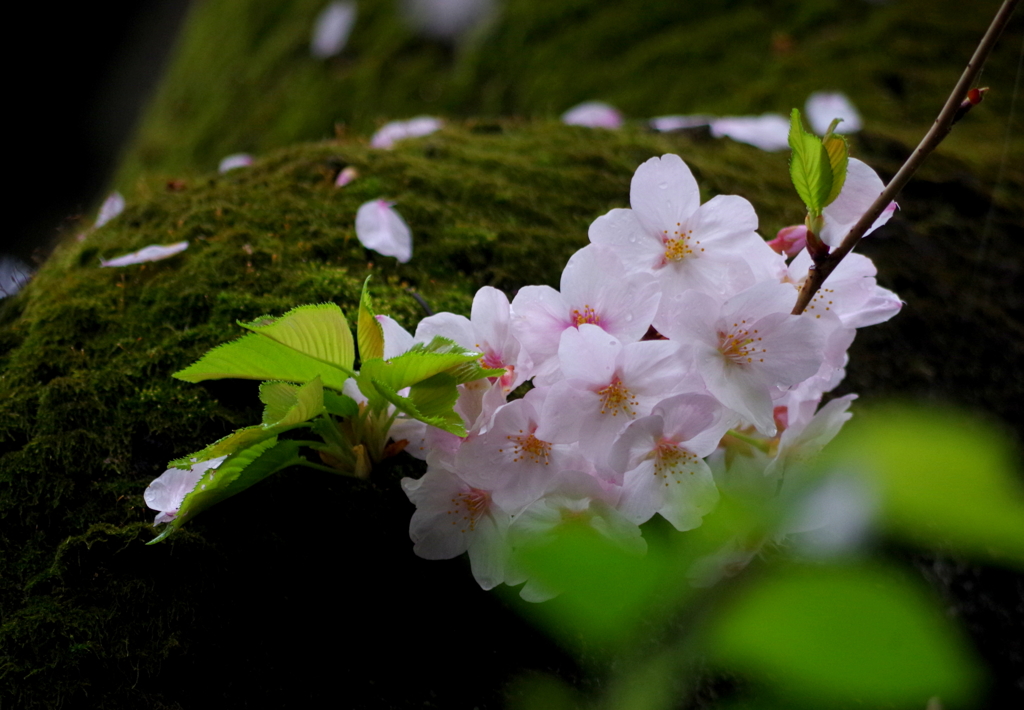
153 252
380 228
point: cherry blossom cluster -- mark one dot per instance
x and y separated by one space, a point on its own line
669 340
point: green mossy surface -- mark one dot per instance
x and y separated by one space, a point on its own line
89 413
243 78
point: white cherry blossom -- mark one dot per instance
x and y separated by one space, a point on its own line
662 458
454 516
746 346
607 385
712 247
594 291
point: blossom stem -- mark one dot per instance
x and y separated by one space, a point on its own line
956 106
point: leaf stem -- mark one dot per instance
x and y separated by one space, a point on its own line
956 106
302 461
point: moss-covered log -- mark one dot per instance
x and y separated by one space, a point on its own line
244 80
250 592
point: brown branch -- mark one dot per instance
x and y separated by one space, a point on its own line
959 102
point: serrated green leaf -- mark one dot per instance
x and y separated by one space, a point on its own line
468 370
255 357
240 471
809 166
829 635
839 159
340 405
442 417
228 445
287 405
319 331
278 397
368 330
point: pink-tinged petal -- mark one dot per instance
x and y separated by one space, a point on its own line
690 317
332 29
565 410
861 189
491 315
744 391
593 114
804 441
759 301
823 107
880 306
167 492
588 354
676 484
768 132
489 550
599 292
379 227
539 316
397 340
638 249
391 133
696 420
150 253
111 207
663 194
447 325
679 123
346 176
790 240
635 443
237 160
724 220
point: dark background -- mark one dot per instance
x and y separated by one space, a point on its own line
80 74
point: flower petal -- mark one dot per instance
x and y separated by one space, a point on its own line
153 252
823 107
767 132
332 28
593 114
380 228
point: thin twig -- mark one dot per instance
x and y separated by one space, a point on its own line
956 106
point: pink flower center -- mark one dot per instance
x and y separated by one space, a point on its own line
617 398
468 507
669 458
527 447
680 244
587 315
740 345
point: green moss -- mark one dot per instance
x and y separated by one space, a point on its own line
243 78
89 413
